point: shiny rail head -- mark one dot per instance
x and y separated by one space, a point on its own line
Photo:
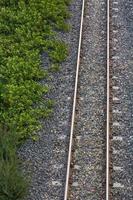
74 103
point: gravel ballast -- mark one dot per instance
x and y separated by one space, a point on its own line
122 102
46 158
88 170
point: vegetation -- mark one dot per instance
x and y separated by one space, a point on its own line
27 28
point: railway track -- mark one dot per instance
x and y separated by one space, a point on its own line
101 146
100 156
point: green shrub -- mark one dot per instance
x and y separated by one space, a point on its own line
27 28
13 185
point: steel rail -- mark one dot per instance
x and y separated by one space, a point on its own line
108 105
74 104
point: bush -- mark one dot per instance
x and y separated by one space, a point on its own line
27 28
13 185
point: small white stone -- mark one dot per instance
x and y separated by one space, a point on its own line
81 98
115 77
58 166
115 9
116 151
77 167
62 137
115 16
116 124
118 185
115 40
117 111
75 184
115 31
116 99
117 138
56 183
115 57
115 87
78 137
117 168
115 2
